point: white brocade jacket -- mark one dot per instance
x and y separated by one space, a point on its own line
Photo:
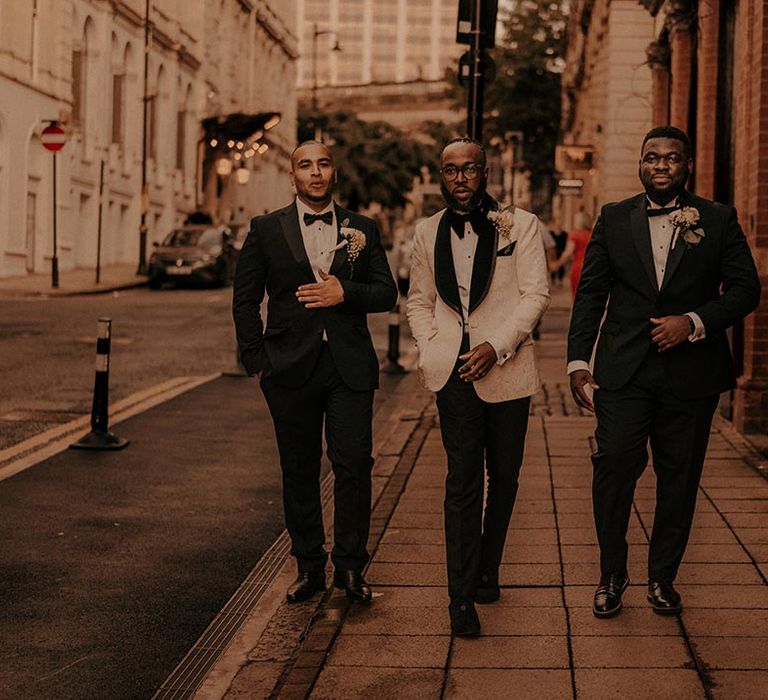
509 294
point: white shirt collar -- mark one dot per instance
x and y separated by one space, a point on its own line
653 205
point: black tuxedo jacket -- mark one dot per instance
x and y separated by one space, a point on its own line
716 279
273 259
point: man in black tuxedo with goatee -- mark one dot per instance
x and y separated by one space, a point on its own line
323 269
676 273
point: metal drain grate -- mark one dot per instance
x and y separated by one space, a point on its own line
192 670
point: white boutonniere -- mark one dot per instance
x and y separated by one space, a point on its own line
354 241
686 225
503 221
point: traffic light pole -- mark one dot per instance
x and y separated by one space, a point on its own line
476 77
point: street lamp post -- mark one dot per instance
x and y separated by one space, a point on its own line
142 268
316 33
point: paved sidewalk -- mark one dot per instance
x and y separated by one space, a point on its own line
541 639
71 282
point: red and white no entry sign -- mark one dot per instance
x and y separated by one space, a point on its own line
53 137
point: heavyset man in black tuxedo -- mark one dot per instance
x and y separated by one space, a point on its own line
323 269
662 357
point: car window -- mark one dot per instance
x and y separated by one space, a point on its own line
193 237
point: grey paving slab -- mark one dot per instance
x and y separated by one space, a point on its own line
340 683
398 621
522 621
633 621
501 684
639 684
735 653
510 652
388 574
611 652
740 685
706 622
389 651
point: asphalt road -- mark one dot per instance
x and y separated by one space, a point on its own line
113 564
48 348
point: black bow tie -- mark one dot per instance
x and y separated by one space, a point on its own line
661 211
326 218
457 221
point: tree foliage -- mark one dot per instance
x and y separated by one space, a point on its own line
525 95
376 161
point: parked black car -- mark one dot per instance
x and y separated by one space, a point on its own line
201 254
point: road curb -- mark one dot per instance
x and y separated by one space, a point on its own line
55 294
40 447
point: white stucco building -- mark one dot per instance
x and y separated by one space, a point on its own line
82 62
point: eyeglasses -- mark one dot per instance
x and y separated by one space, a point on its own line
469 171
671 158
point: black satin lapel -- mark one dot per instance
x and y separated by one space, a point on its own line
340 256
673 260
484 263
445 272
289 222
641 235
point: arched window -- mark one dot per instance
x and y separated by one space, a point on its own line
80 76
118 92
181 128
154 116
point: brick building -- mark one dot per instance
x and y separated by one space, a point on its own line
606 101
709 61
82 62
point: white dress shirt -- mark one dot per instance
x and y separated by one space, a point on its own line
319 238
661 230
463 251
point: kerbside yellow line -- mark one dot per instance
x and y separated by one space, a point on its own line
26 454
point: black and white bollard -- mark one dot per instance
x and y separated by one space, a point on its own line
100 438
393 352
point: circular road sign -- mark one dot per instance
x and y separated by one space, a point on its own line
53 137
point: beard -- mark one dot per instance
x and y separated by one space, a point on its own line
666 194
470 204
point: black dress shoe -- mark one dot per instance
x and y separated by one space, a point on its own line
305 586
488 590
353 584
664 598
464 619
608 595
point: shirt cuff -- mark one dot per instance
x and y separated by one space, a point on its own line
699 332
574 365
501 357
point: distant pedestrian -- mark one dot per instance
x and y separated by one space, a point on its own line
324 269
479 284
671 272
575 248
561 240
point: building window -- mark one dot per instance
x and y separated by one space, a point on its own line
78 87
118 102
152 126
181 138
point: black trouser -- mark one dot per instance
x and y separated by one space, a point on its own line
476 432
298 417
642 410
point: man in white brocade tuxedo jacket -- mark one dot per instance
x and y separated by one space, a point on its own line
479 284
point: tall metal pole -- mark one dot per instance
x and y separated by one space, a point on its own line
142 268
315 34
55 258
98 229
475 96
